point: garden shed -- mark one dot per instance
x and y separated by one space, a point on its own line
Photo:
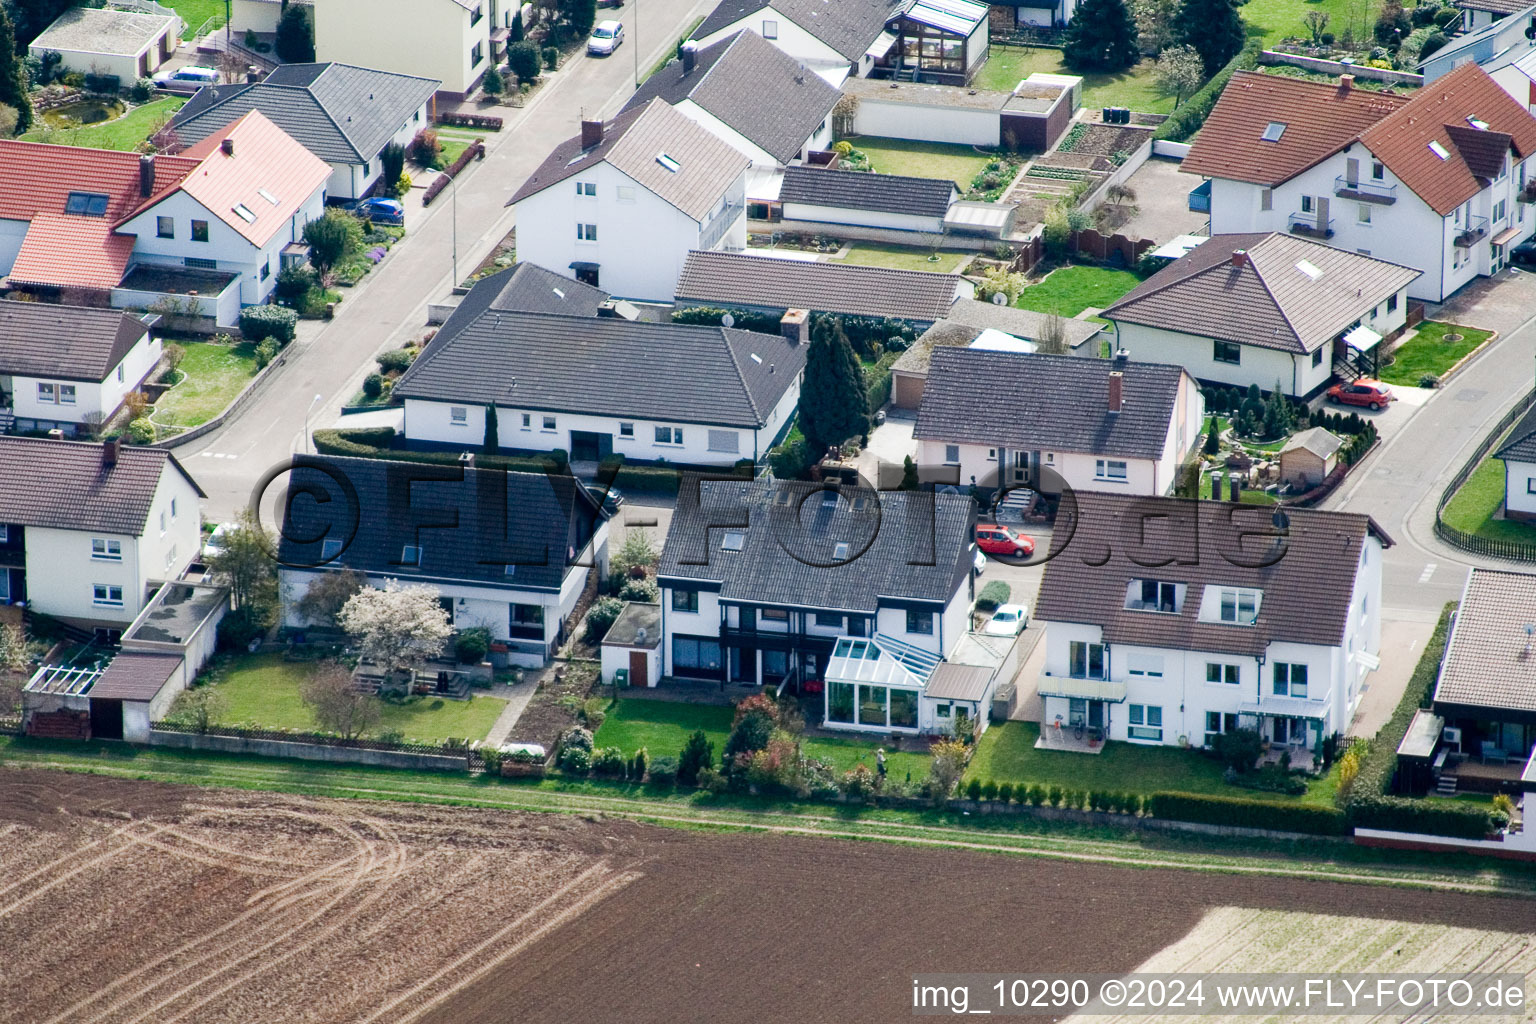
1309 457
633 645
127 44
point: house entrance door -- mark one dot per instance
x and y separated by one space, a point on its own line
1020 472
638 675
1096 715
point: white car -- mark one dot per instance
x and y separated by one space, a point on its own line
1008 620
606 37
214 545
186 80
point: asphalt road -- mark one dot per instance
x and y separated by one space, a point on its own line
389 309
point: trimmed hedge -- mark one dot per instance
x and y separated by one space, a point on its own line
1241 813
374 443
486 121
745 319
474 151
277 322
1185 121
662 479
993 594
877 381
1402 814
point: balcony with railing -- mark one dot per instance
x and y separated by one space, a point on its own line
1476 228
1365 191
720 225
1311 225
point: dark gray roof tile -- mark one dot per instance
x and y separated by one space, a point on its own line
860 190
66 485
847 26
521 288
68 342
737 279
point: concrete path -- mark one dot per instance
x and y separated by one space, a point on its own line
517 697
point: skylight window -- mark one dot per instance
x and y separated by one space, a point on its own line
86 204
1274 131
1477 123
669 163
410 554
268 196
1438 150
244 213
757 359
558 293
734 540
840 551
1309 269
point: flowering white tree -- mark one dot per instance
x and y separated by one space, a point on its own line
398 627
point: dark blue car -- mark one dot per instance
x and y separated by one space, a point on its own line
384 211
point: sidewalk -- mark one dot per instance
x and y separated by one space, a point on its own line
517 696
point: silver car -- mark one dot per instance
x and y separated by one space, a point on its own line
606 37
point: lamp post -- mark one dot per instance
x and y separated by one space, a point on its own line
454 217
308 444
636 42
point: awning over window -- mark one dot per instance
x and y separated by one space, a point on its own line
1506 236
579 265
1370 661
1362 339
1285 707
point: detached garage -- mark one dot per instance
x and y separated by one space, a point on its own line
633 645
816 195
126 44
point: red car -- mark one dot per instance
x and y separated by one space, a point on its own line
999 540
1367 392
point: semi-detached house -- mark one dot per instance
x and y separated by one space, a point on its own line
1171 621
1437 181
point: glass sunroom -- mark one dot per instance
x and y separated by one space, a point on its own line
874 684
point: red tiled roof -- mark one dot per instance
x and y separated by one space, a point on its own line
265 158
37 178
1442 112
72 252
1319 121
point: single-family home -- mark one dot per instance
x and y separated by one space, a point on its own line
1437 180
1268 309
1492 46
70 367
1518 77
343 114
1479 14
1171 622
767 284
971 322
1308 457
85 527
507 551
652 173
450 41
939 40
1518 453
527 288
1014 419
818 198
206 227
855 593
124 44
754 96
600 386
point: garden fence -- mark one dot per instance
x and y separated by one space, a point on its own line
1515 551
317 738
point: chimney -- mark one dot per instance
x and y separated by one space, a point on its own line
690 57
227 147
591 133
1116 390
147 175
796 325
109 453
253 76
1346 83
1239 257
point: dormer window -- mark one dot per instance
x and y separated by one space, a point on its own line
1154 596
1273 131
1237 605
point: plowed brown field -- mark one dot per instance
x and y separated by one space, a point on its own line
137 902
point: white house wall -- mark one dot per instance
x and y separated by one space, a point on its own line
1520 486
90 396
926 123
1261 366
704 622
254 16
789 37
1079 471
437 44
124 65
864 218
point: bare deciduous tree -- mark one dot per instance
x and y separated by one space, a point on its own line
199 707
336 703
1053 335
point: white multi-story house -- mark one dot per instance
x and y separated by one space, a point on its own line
753 96
1437 181
510 552
345 115
651 173
855 594
1017 419
1170 621
68 367
1266 309
85 527
452 41
596 386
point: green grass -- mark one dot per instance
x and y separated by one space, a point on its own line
263 690
1273 20
1070 290
453 146
1429 352
1006 753
212 376
1472 509
125 133
663 726
901 257
671 54
1249 496
922 159
1135 88
196 12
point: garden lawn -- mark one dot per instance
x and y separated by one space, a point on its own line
213 375
922 159
125 133
263 690
901 257
1070 290
196 13
1274 20
1472 509
1136 88
1429 353
453 146
1006 753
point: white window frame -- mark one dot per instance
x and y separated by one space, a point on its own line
47 394
101 594
586 232
1105 469
627 430
586 189
1239 596
951 455
104 549
550 424
770 28
1230 674
458 415
1141 724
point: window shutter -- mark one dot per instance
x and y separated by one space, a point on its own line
724 441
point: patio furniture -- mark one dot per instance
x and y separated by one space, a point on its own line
1493 754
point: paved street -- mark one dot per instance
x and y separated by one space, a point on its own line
389 309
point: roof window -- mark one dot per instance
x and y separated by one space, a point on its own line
1438 150
734 540
1309 269
86 204
840 551
669 163
410 554
1477 123
268 196
1274 131
244 213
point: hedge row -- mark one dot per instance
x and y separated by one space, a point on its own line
374 443
277 322
742 319
1185 121
1236 811
1401 814
475 151
455 119
662 479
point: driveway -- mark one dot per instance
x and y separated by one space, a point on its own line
1499 303
1162 202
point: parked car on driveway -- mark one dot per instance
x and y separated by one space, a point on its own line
1372 394
606 37
1008 620
1523 255
384 211
996 539
186 80
214 545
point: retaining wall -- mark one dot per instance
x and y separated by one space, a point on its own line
307 751
1335 67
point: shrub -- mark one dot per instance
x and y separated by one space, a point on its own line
988 790
493 84
697 755
601 616
638 764
712 781
640 590
551 55
1005 792
577 737
523 59
426 149
577 761
993 594
609 762
1054 796
141 431
266 351
142 90
1239 749
1244 813
1036 795
373 385
973 789
294 282
858 782
396 360
472 645
238 628
663 772
278 322
1072 799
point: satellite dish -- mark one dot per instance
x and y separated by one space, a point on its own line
999 298
728 321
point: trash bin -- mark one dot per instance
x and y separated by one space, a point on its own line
621 677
